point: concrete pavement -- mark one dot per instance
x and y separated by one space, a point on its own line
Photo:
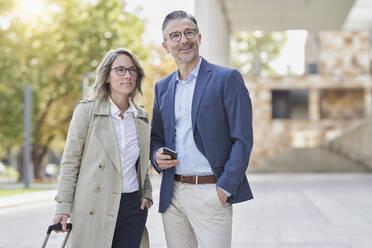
289 211
27 198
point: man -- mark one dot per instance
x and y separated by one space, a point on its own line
204 113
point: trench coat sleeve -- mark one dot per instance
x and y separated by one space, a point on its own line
70 163
145 241
147 187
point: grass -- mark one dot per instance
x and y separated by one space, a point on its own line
8 192
9 179
10 172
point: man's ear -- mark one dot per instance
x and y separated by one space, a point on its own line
164 44
199 38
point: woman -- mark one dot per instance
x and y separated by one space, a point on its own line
104 186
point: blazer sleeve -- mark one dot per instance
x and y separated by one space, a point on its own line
157 130
238 109
70 163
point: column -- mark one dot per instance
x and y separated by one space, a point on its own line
367 101
214 28
314 104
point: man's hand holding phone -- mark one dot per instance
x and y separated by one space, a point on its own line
166 158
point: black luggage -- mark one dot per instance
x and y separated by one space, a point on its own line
56 227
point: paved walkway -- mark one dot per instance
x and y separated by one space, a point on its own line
25 199
289 211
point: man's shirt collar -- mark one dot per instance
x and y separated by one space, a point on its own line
193 74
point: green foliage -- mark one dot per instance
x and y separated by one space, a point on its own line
10 173
159 65
253 51
9 192
51 51
5 5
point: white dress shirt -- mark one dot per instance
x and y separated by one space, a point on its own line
129 149
192 161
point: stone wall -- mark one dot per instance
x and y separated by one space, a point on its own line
342 103
339 97
355 144
273 136
344 53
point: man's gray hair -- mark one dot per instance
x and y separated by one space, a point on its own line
179 14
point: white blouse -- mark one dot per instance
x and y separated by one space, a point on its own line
129 149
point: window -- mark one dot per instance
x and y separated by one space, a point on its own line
290 104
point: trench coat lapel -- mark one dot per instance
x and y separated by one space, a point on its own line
143 131
106 134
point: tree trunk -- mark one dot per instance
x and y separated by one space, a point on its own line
38 154
20 165
37 161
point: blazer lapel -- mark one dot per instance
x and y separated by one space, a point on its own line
106 134
169 110
202 80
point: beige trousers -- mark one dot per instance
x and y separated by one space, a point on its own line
196 216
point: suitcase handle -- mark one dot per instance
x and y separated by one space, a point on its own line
58 227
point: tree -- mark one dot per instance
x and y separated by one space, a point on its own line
253 51
156 67
51 52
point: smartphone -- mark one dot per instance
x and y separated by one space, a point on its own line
170 152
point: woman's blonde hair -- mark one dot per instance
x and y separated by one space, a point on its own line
101 89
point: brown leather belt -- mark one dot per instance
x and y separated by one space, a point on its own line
195 179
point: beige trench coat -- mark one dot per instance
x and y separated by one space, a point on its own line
89 184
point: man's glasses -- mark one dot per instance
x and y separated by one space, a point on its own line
177 36
121 70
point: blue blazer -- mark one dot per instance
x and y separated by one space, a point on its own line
221 123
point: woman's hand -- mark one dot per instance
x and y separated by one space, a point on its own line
145 203
61 218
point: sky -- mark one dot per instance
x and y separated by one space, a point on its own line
153 13
292 54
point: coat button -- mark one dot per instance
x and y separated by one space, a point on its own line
101 166
97 190
91 212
